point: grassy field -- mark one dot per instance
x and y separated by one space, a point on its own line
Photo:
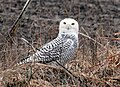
97 61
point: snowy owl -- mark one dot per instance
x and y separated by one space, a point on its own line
62 48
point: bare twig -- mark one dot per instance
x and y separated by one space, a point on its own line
95 41
13 29
28 44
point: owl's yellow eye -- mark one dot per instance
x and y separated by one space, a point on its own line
73 24
64 22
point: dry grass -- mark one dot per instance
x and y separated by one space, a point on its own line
103 72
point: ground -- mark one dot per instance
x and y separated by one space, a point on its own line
96 64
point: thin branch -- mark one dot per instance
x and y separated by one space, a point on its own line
13 29
28 44
69 72
95 41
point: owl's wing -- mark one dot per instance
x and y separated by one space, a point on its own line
69 50
51 51
47 56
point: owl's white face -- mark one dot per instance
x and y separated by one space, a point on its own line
69 26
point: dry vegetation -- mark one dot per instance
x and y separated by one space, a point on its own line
96 64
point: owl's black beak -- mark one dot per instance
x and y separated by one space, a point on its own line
68 28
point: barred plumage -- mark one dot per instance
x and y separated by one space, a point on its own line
61 49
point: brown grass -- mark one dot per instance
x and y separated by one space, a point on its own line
103 72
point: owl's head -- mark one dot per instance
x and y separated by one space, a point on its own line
68 26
